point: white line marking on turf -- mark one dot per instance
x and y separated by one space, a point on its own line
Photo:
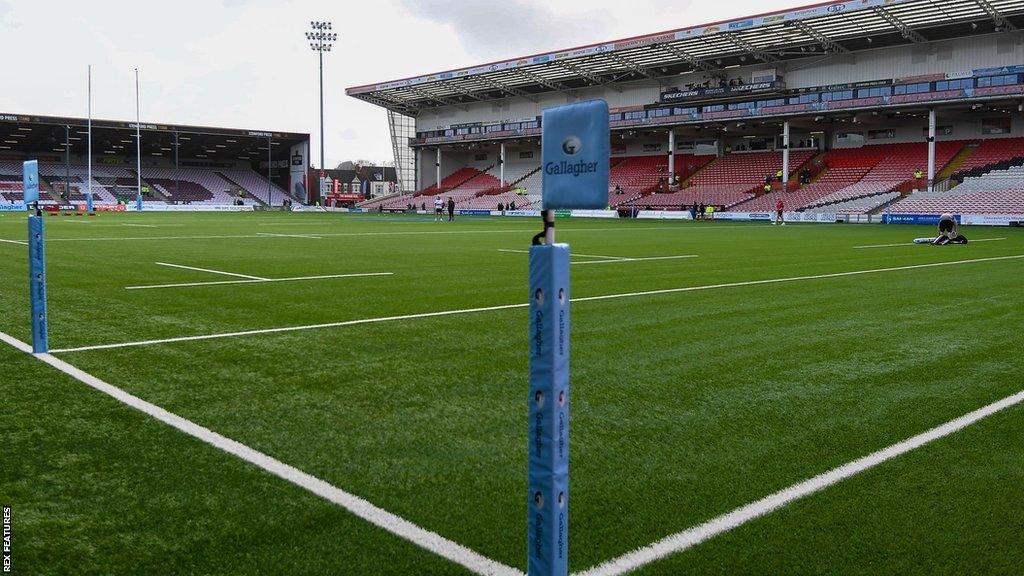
637 259
407 233
913 244
691 537
608 259
209 270
16 343
572 254
426 539
258 281
140 225
290 235
14 242
598 256
525 304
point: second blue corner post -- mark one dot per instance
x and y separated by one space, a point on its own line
548 483
36 257
37 283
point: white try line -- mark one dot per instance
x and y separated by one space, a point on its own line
571 254
525 304
691 537
290 236
209 270
913 244
258 281
608 259
426 539
403 233
682 256
13 242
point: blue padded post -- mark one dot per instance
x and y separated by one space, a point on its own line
548 484
37 283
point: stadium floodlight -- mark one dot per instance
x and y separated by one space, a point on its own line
321 40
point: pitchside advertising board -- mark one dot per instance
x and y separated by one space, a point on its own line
575 151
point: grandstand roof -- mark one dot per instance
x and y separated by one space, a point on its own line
32 133
827 28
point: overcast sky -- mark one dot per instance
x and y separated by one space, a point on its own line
246 63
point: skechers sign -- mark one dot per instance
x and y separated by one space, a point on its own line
575 147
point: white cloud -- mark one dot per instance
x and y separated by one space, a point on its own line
246 63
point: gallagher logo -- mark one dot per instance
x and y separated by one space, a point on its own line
572 145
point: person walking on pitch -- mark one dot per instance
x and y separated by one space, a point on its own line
438 209
779 208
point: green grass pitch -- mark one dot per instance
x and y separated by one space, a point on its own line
686 404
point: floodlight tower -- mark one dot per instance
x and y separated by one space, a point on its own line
320 40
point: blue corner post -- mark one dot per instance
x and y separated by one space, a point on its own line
548 498
575 151
36 258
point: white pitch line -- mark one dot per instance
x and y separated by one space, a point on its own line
598 256
222 273
258 281
290 236
405 233
524 305
140 225
913 244
637 259
13 242
689 538
426 539
571 254
607 259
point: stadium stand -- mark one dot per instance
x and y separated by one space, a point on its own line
638 174
491 201
111 183
452 181
989 154
254 184
892 166
831 180
476 185
531 182
53 173
727 181
392 201
996 191
523 176
863 127
863 205
999 202
191 185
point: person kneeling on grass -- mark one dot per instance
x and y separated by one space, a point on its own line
948 233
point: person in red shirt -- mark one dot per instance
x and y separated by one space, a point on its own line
779 207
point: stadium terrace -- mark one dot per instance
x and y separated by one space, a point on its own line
193 165
851 108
